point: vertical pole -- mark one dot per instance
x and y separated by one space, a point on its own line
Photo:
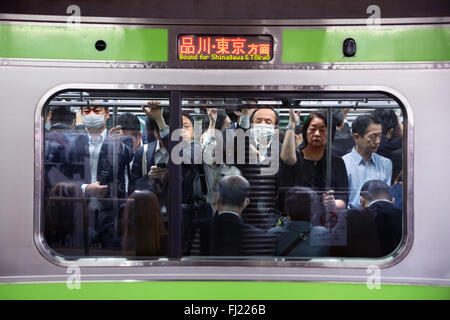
175 181
328 160
115 182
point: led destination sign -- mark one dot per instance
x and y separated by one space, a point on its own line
225 48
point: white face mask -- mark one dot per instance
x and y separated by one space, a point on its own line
263 132
94 121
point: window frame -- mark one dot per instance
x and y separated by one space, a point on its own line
175 258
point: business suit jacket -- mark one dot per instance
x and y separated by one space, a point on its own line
388 220
119 156
232 237
136 168
374 231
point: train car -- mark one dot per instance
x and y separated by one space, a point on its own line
188 57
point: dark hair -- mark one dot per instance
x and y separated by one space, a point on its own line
268 107
233 190
361 123
233 116
143 209
338 118
62 115
299 129
92 103
302 203
376 189
129 121
187 114
313 115
388 119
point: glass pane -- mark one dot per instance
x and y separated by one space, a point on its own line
260 186
98 198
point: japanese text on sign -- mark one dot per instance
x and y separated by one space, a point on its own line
228 48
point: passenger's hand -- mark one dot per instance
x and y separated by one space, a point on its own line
345 112
96 190
212 115
293 117
157 173
116 133
328 200
152 110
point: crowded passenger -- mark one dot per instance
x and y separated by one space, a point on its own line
60 121
150 172
99 159
144 231
297 237
66 221
343 140
363 163
376 198
230 235
375 229
107 166
391 140
306 166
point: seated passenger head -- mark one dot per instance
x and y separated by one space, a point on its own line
375 190
263 122
389 121
315 131
367 134
232 194
144 209
94 116
131 128
187 131
302 204
62 115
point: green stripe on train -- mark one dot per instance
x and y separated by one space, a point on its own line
220 291
78 43
372 45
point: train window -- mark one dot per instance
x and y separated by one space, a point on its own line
247 176
98 197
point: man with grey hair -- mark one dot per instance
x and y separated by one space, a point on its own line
230 234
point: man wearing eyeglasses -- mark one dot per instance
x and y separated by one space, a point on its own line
363 163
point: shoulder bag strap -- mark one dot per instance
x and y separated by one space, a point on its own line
301 237
144 160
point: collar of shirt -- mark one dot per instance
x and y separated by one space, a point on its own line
97 138
360 160
380 200
228 211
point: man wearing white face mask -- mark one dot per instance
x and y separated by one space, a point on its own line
99 160
263 123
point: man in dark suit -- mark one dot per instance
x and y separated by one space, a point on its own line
98 160
157 156
376 229
230 235
376 198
